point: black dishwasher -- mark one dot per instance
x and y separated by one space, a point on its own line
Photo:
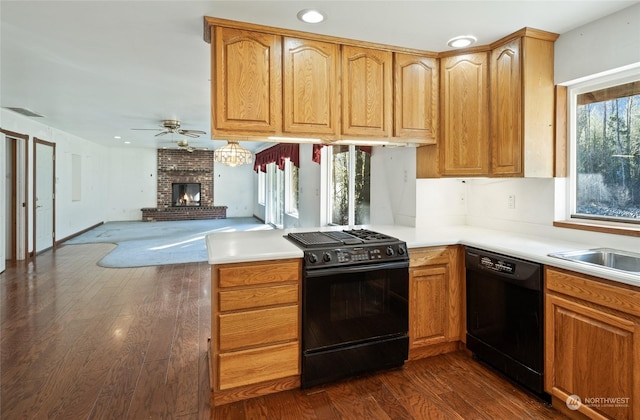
505 324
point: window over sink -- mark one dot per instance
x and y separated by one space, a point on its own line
604 116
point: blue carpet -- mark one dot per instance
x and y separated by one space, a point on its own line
157 243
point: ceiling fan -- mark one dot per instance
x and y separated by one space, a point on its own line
173 127
184 145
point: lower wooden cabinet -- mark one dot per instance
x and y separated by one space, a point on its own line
592 351
435 301
255 317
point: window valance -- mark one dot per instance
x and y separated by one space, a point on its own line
277 154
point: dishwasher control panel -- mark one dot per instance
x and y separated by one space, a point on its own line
497 265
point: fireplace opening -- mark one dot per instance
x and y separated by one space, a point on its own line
185 194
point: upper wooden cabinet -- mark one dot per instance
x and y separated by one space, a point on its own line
246 92
416 97
523 106
464 88
515 134
367 83
277 82
310 86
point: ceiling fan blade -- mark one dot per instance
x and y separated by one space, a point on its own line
147 129
193 136
161 134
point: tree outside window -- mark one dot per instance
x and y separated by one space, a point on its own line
349 189
608 154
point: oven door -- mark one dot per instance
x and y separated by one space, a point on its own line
351 305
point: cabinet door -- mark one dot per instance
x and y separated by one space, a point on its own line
416 97
247 83
310 86
506 110
366 92
465 115
592 354
428 305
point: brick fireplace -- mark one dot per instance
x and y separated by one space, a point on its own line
180 166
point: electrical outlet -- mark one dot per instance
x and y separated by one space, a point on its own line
511 201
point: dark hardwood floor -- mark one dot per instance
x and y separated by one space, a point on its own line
81 341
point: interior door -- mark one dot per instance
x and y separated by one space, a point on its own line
16 167
44 195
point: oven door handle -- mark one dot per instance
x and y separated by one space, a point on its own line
356 269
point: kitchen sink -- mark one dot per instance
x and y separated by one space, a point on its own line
604 257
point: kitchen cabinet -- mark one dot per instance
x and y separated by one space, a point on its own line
592 351
246 82
464 89
310 86
255 316
497 111
523 105
436 309
367 83
416 97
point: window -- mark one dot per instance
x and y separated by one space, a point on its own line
291 188
605 159
274 210
281 192
348 185
262 187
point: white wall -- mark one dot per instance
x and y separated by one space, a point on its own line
107 174
608 43
235 188
393 186
441 202
132 182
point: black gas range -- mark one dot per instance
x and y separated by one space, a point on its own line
355 316
348 247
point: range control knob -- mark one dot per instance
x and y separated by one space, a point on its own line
390 251
326 257
313 258
401 250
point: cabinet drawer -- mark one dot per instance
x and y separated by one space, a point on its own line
254 328
256 297
582 287
429 256
246 275
258 365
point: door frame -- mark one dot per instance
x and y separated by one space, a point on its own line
37 141
14 137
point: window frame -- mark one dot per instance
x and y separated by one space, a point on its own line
327 159
584 222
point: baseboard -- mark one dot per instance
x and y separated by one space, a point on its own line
61 241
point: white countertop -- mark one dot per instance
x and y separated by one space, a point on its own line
233 247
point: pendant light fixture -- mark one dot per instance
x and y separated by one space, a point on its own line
232 154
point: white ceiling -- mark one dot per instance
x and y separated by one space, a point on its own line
97 69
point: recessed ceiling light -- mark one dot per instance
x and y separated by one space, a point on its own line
462 41
117 137
127 142
311 16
